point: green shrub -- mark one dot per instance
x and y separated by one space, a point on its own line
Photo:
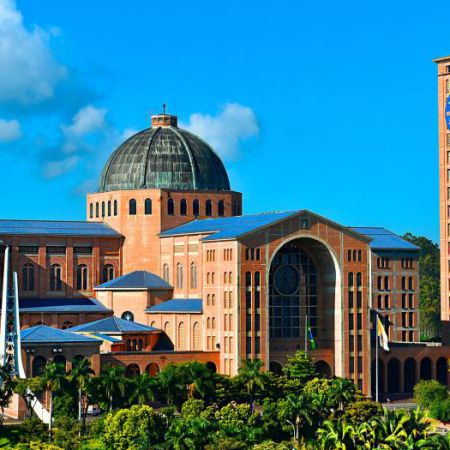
32 429
427 392
440 409
362 411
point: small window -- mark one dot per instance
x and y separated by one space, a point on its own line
193 276
132 207
97 210
208 208
28 277
128 315
447 68
170 206
166 272
82 277
183 207
196 208
221 208
148 206
91 210
115 207
109 208
103 209
179 276
55 277
108 272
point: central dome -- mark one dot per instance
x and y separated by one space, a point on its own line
164 157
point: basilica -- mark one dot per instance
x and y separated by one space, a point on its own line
167 268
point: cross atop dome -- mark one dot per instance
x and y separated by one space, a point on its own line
164 119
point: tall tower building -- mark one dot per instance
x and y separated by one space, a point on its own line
444 186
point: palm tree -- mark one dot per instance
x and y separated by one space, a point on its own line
250 374
113 381
52 380
81 373
336 435
170 382
297 411
143 389
343 391
202 380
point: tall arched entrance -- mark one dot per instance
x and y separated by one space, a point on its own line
304 291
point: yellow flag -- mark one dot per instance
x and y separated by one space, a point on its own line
381 333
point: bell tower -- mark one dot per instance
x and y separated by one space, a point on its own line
444 187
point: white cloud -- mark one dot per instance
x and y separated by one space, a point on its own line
225 131
9 130
29 71
88 119
54 169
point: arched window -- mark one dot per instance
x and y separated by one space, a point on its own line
183 207
170 206
38 366
91 210
350 279
221 208
168 329
132 207
193 276
166 272
213 323
181 336
128 315
148 206
359 279
55 277
132 370
82 277
179 276
103 209
115 207
208 208
97 210
196 208
196 341
108 272
61 362
230 277
109 208
28 277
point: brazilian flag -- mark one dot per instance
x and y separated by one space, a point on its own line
312 342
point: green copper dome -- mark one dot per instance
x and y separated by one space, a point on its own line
164 157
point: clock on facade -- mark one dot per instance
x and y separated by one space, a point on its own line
447 111
286 279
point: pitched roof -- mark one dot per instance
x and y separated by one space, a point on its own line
56 228
113 325
139 279
45 334
229 227
59 305
178 305
383 239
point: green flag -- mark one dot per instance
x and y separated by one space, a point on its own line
312 342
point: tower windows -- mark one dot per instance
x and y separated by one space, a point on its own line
196 208
183 207
148 206
109 208
97 210
103 209
193 276
55 277
28 277
132 207
82 277
208 208
115 207
166 272
179 276
221 208
108 272
170 206
91 210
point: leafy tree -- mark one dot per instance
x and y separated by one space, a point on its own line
28 389
295 413
440 409
271 445
361 411
300 367
429 274
426 392
6 389
252 378
189 433
343 391
66 433
139 428
172 384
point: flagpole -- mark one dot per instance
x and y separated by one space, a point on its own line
376 358
306 333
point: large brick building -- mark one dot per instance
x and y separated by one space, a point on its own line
166 246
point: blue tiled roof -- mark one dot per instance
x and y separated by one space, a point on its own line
112 325
60 305
384 239
229 227
44 333
178 305
104 337
56 228
139 279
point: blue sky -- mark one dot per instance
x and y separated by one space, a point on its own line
329 106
